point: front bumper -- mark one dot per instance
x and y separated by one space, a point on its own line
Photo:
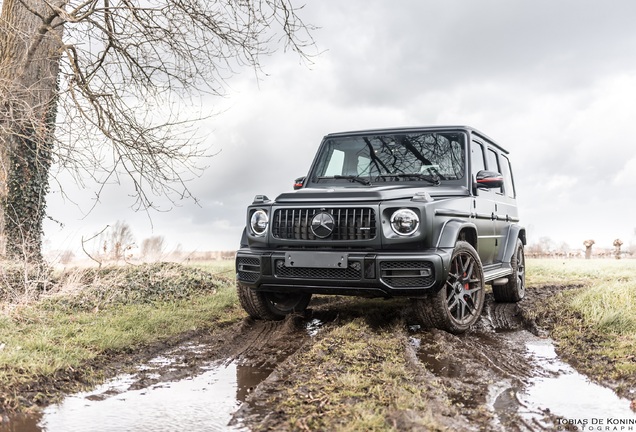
349 273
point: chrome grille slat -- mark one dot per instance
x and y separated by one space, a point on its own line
351 223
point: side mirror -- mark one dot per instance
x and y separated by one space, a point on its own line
299 183
489 180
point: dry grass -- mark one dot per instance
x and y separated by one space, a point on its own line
595 325
92 314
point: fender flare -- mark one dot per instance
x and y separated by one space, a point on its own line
514 232
450 232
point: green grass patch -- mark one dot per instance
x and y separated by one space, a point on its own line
579 271
594 325
96 313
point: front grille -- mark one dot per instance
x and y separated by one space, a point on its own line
248 269
407 274
352 272
350 223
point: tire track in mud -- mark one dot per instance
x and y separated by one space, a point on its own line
259 345
483 374
480 372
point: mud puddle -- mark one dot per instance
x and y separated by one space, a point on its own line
201 403
567 394
178 389
520 379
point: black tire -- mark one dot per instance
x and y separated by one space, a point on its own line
515 289
457 305
271 306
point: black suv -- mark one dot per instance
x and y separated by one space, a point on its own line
428 213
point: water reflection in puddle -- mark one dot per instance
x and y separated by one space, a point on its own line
551 388
439 365
313 327
567 393
202 403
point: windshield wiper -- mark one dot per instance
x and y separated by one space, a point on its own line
429 178
352 178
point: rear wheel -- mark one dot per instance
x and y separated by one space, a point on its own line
515 289
458 303
269 305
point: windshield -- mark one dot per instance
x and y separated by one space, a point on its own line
423 156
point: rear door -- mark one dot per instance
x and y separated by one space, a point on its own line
504 198
483 205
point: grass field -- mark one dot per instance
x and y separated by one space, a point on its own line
607 300
596 327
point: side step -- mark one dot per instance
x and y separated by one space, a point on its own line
497 274
500 281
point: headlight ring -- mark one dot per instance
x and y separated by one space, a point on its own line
404 222
259 222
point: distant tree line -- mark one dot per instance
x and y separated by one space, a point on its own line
545 247
117 244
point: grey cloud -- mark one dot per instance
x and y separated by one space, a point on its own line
394 52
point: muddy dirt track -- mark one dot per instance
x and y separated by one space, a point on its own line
476 381
483 380
472 378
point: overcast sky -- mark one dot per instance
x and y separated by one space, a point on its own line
552 81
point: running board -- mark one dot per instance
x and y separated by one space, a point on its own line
500 281
497 274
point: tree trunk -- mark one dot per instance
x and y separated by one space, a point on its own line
30 48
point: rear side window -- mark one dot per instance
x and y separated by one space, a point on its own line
477 158
493 163
509 184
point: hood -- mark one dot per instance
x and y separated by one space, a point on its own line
361 194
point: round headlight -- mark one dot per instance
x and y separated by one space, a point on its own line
259 222
404 222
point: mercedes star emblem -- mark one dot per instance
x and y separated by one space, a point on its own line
322 225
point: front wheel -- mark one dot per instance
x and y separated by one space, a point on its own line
270 305
458 303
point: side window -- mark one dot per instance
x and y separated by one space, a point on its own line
477 158
509 183
493 161
493 164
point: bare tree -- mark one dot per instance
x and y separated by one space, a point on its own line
30 48
116 241
546 245
107 89
563 249
152 247
66 257
617 248
588 248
